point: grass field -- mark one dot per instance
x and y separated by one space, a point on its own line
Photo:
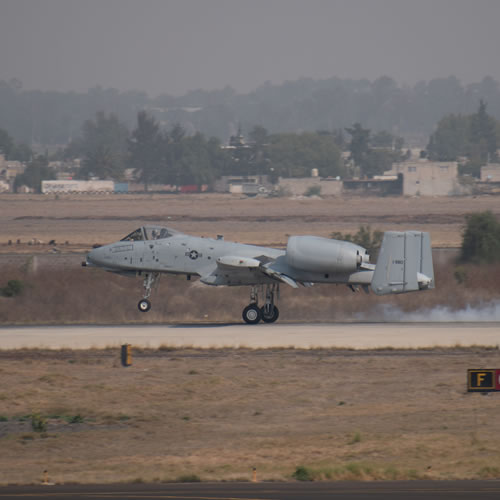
215 414
89 295
83 220
84 295
190 414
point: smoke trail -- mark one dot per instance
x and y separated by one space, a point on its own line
488 312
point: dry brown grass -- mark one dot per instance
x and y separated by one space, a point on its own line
88 295
84 220
218 413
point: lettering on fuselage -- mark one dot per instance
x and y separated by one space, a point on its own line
122 248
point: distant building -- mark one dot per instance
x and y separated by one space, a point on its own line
490 173
9 169
75 186
8 172
380 185
490 180
428 178
4 187
245 184
299 186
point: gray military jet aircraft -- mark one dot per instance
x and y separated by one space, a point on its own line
404 264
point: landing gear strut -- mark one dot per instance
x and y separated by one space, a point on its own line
144 304
268 313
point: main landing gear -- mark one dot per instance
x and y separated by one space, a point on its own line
268 313
144 304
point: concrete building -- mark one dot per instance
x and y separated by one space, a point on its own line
8 172
77 186
490 173
245 184
428 178
380 185
301 186
4 187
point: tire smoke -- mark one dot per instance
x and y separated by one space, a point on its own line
482 312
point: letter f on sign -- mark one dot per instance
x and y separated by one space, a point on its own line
480 378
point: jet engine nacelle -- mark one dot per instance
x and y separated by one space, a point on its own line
322 255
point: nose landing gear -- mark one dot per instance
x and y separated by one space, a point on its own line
268 313
144 304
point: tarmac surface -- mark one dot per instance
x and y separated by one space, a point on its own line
407 490
326 335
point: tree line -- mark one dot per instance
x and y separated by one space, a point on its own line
171 156
473 137
411 111
158 155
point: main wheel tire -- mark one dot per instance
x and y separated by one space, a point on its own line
144 305
251 314
271 316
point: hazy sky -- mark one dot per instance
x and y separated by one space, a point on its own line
172 46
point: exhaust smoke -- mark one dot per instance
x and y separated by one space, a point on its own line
482 312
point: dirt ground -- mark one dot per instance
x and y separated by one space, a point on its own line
215 414
82 220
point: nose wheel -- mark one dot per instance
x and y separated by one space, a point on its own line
149 280
144 305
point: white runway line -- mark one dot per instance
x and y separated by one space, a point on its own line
355 336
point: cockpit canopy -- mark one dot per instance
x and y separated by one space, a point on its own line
145 233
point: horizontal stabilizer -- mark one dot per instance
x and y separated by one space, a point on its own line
404 263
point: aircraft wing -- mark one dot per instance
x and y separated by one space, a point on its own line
231 268
279 276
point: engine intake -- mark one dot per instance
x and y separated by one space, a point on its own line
322 255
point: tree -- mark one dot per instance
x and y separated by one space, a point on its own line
472 136
259 135
481 238
190 159
377 161
374 154
13 288
104 147
360 143
364 238
145 149
382 139
257 158
36 172
295 155
6 143
339 139
21 152
483 135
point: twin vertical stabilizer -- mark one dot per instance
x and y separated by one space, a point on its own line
404 263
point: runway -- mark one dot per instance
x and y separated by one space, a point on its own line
334 335
409 490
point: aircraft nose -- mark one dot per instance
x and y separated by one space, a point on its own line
96 256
